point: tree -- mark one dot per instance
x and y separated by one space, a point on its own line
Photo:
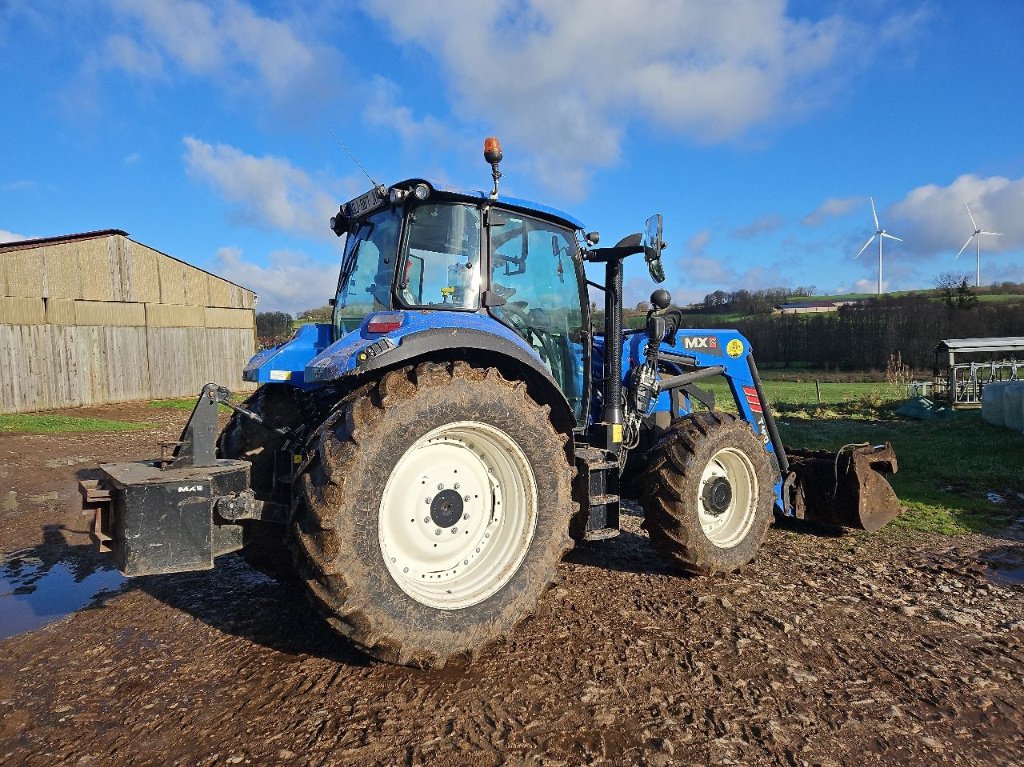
273 324
320 314
956 290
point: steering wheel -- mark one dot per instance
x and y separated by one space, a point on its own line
517 314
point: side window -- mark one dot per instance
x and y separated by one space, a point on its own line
532 268
440 264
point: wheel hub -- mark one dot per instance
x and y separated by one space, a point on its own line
446 508
717 496
457 515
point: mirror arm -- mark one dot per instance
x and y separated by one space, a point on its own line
603 255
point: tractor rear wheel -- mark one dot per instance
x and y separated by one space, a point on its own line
708 494
435 512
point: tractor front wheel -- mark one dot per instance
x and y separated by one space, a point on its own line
435 512
708 494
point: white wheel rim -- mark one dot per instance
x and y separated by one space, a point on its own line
729 526
446 562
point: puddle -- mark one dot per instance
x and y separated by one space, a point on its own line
46 583
1006 576
1004 565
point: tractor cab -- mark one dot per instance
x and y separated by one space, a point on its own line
424 248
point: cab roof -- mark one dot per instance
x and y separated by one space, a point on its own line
502 201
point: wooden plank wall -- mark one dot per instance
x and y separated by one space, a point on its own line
53 366
108 319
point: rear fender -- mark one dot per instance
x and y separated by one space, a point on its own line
436 335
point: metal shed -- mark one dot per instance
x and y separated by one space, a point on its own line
964 380
97 317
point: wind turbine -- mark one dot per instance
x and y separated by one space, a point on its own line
977 233
880 233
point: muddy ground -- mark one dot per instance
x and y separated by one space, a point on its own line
850 650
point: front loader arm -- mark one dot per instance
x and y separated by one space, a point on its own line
845 488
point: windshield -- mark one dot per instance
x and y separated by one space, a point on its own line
367 269
441 257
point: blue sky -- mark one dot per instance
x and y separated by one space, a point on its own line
759 129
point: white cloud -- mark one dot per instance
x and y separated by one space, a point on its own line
267 191
385 110
290 283
863 286
765 224
132 159
932 219
833 207
568 78
699 242
22 185
7 236
225 41
124 53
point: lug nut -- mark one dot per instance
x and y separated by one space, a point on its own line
437 531
456 485
465 498
465 516
440 486
455 530
426 520
428 500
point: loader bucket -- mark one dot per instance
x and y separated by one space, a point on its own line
847 488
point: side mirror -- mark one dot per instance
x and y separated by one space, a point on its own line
653 246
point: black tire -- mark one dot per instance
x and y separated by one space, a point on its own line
263 544
341 528
675 499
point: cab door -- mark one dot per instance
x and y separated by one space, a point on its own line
536 273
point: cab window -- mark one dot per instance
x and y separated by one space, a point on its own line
440 262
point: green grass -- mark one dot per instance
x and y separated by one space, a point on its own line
946 468
1001 298
799 399
188 403
36 423
173 404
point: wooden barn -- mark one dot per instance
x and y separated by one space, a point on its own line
92 318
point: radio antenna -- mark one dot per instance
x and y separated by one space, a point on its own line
379 187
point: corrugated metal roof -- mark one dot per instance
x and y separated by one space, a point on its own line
1008 343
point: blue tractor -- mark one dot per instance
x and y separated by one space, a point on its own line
423 462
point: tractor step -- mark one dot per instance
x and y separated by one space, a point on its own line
598 484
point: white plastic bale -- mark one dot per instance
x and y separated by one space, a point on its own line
1013 407
993 399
